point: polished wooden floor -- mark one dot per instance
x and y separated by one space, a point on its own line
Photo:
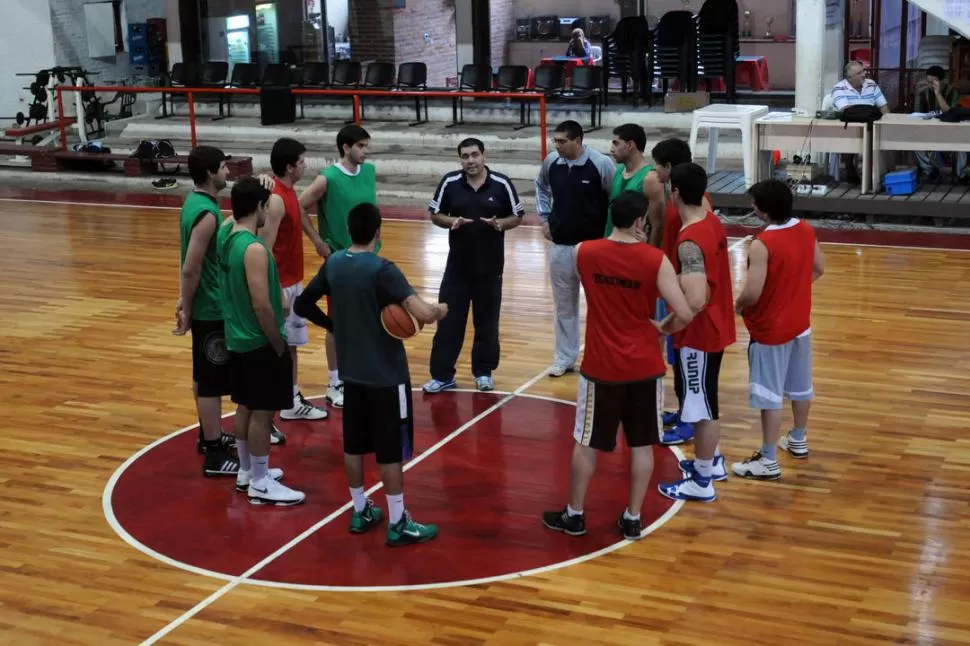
866 542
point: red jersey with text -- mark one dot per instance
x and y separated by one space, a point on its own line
288 248
713 328
620 282
784 309
672 224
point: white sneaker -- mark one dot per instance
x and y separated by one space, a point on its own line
335 395
560 369
243 478
797 448
270 492
757 467
302 409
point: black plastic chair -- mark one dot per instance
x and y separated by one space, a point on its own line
628 55
675 50
316 75
718 44
379 76
413 77
515 79
475 77
244 75
587 85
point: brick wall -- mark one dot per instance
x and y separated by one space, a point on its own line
398 35
71 43
425 31
502 16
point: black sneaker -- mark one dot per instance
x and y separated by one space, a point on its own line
219 463
629 528
561 521
227 441
276 436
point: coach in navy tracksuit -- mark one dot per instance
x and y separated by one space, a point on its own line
572 196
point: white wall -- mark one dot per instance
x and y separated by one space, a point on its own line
27 28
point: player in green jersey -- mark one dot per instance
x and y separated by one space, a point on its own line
633 173
338 189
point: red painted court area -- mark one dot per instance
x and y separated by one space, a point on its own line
485 488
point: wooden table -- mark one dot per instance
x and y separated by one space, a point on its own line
808 136
903 132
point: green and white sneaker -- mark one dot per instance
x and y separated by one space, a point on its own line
408 532
361 521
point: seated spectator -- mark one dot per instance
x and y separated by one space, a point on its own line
856 89
938 96
579 47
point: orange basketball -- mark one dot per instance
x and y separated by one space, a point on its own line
398 322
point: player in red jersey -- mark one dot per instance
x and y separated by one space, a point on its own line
623 367
667 154
784 261
285 225
705 276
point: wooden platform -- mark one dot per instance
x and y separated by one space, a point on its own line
864 543
942 200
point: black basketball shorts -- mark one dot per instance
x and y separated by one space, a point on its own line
379 420
262 380
602 407
210 359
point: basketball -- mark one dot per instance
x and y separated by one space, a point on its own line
398 322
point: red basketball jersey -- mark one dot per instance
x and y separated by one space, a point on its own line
672 224
620 281
288 248
784 309
713 328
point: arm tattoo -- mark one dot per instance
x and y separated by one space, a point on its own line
691 258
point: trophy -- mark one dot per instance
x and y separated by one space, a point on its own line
746 31
768 22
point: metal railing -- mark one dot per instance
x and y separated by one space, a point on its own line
355 94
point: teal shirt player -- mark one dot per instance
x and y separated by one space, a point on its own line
360 285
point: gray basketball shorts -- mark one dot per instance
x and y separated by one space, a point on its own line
779 371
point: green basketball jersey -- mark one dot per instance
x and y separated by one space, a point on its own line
344 192
620 184
205 306
243 332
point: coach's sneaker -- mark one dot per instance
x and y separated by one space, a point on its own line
436 386
560 369
243 478
408 532
219 463
561 521
631 528
797 448
335 395
361 521
692 488
303 409
485 383
718 471
269 492
276 436
679 434
757 467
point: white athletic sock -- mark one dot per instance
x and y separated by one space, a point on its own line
395 505
573 512
360 501
242 448
334 379
296 390
705 468
717 451
260 467
628 516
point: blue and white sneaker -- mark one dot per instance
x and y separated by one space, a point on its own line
435 386
484 383
682 432
692 488
718 473
671 418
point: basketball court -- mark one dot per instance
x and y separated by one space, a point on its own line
112 535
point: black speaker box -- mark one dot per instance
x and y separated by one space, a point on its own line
276 105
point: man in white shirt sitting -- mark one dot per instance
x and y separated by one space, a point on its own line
856 89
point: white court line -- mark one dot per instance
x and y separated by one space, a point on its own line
237 580
141 547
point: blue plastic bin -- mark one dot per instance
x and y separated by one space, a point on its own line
900 182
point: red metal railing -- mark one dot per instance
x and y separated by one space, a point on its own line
354 94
